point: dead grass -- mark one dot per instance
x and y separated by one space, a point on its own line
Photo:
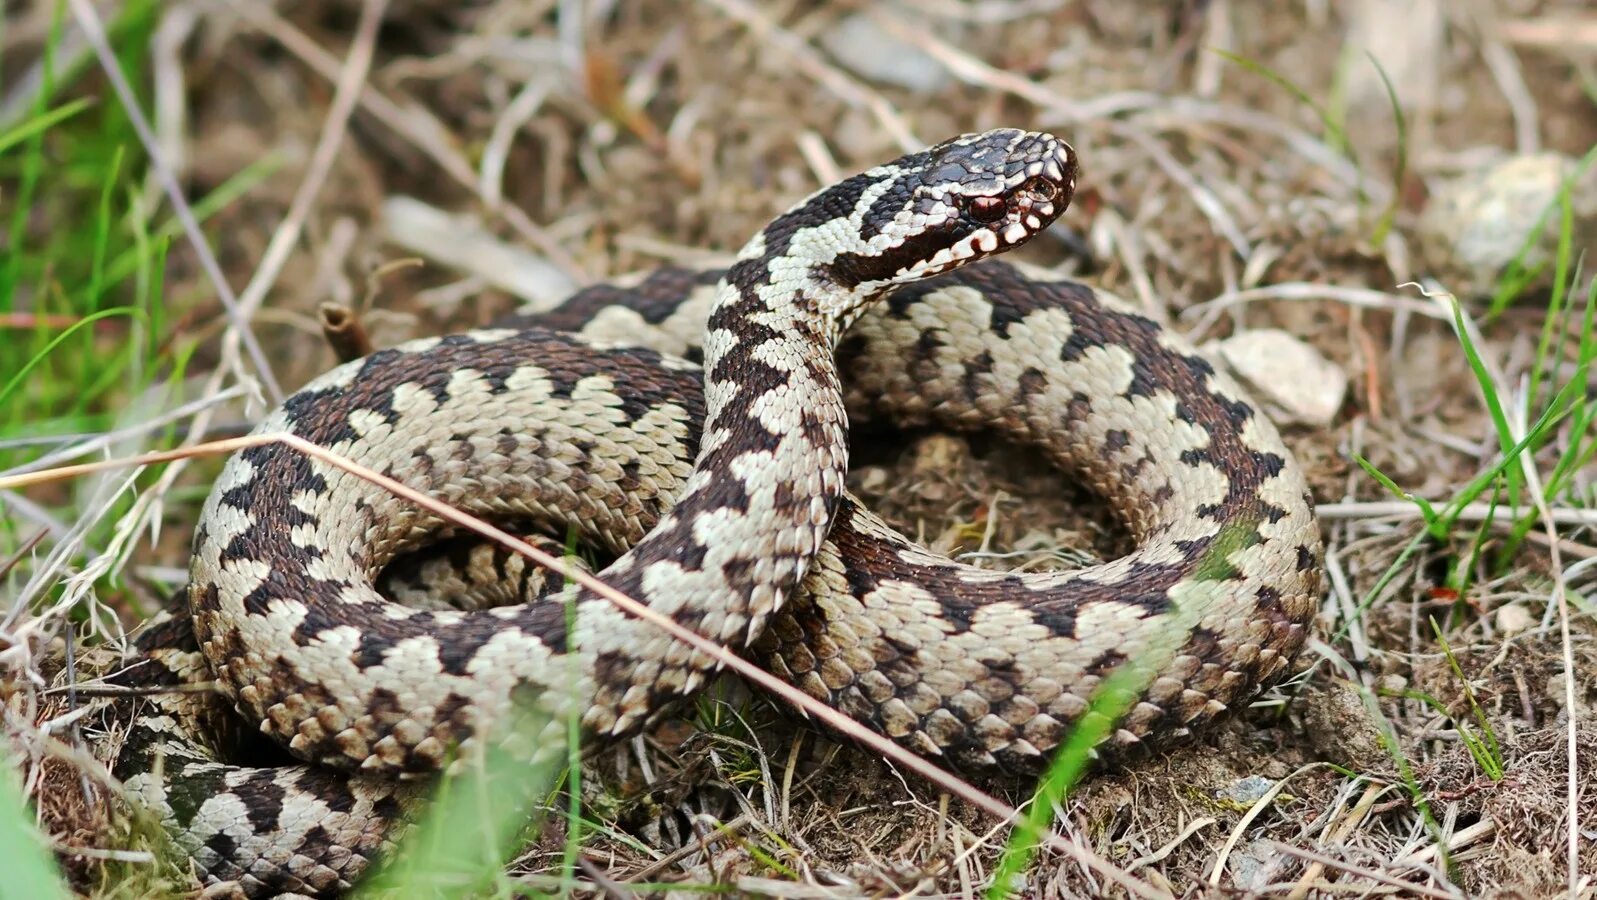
609 137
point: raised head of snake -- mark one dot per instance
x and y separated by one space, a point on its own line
774 455
281 584
924 214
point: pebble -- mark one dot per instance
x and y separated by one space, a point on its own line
865 48
1254 866
1476 223
1247 791
1287 373
1513 618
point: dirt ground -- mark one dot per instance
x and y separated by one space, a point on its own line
579 141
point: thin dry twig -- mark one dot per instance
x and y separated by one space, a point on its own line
1208 312
238 317
1548 31
1344 828
1474 512
422 131
1371 874
807 60
350 81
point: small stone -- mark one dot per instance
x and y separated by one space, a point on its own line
1391 684
1555 688
858 43
1476 223
1247 791
873 479
1286 372
1254 866
1513 618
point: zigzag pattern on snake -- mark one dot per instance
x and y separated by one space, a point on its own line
721 499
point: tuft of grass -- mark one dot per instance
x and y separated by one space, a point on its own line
1563 418
1483 746
1569 411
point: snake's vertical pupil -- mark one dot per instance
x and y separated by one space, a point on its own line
986 209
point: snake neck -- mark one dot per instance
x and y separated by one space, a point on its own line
772 462
769 476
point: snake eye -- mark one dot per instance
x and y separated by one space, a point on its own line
986 209
1040 189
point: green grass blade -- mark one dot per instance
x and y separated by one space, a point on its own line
1546 361
1110 702
573 842
1467 567
128 262
39 124
1112 699
1487 752
1433 522
1582 434
32 167
1334 130
1383 225
1555 413
30 873
1335 133
1387 577
1489 394
66 333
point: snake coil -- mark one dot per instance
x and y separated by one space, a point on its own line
720 489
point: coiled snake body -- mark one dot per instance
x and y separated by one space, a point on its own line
721 491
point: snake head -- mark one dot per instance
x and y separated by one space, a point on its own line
952 204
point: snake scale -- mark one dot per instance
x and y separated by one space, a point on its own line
711 466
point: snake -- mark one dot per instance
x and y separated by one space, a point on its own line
708 463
